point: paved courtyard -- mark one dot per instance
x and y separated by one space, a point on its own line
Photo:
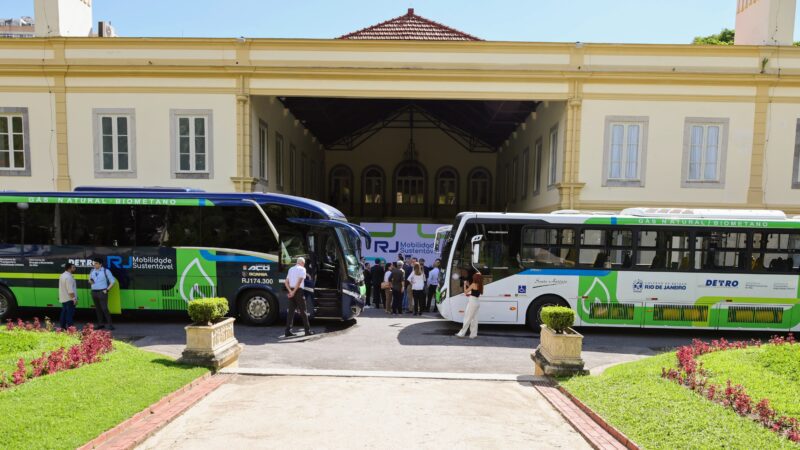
334 412
378 342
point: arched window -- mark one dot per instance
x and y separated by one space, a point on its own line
447 187
341 193
373 186
410 185
479 189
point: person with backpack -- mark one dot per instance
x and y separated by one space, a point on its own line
101 281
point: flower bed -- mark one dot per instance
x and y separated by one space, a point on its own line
89 350
692 374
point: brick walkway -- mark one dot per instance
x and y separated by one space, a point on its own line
592 427
138 428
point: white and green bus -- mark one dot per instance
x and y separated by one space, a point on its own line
643 267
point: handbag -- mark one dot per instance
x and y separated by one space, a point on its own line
386 285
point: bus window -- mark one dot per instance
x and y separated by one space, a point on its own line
10 225
606 249
776 252
548 247
663 250
620 244
183 226
151 226
236 227
97 225
40 223
721 250
593 249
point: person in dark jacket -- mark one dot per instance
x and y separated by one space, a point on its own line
368 283
398 280
376 277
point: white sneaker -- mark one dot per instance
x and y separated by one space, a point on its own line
473 337
460 336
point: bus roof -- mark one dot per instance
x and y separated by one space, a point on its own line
325 210
654 216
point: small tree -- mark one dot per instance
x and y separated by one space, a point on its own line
724 37
208 310
558 318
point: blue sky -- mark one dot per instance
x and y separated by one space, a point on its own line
619 21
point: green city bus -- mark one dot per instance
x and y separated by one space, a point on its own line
169 246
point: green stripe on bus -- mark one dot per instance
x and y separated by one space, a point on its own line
38 276
107 201
724 223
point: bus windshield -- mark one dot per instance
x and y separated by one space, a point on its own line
441 236
351 248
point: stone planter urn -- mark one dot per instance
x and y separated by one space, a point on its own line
212 346
559 354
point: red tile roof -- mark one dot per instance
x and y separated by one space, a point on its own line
410 27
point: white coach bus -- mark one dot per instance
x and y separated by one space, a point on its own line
643 267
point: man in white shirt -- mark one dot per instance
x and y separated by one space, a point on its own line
297 301
67 295
433 285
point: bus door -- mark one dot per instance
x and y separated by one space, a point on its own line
498 261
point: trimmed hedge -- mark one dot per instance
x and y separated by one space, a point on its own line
208 310
559 318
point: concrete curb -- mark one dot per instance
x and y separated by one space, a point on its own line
594 429
618 435
381 374
147 422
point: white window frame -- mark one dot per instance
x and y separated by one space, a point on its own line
192 114
99 170
12 169
552 175
722 152
638 180
262 158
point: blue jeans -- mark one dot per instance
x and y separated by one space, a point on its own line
67 313
405 299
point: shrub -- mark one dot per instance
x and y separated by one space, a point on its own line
208 310
559 318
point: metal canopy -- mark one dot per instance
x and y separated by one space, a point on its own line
344 124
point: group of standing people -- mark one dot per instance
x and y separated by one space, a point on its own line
100 280
405 286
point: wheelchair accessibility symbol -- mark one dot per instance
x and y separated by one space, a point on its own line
522 289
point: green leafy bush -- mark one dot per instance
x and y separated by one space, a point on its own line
559 318
208 310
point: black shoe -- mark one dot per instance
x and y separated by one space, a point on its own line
289 334
309 333
111 328
100 327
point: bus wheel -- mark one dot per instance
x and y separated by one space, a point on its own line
258 307
8 304
534 318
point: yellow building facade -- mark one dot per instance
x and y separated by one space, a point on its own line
613 125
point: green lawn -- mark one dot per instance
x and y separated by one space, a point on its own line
67 409
769 371
28 345
659 414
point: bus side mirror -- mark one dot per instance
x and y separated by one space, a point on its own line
476 248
